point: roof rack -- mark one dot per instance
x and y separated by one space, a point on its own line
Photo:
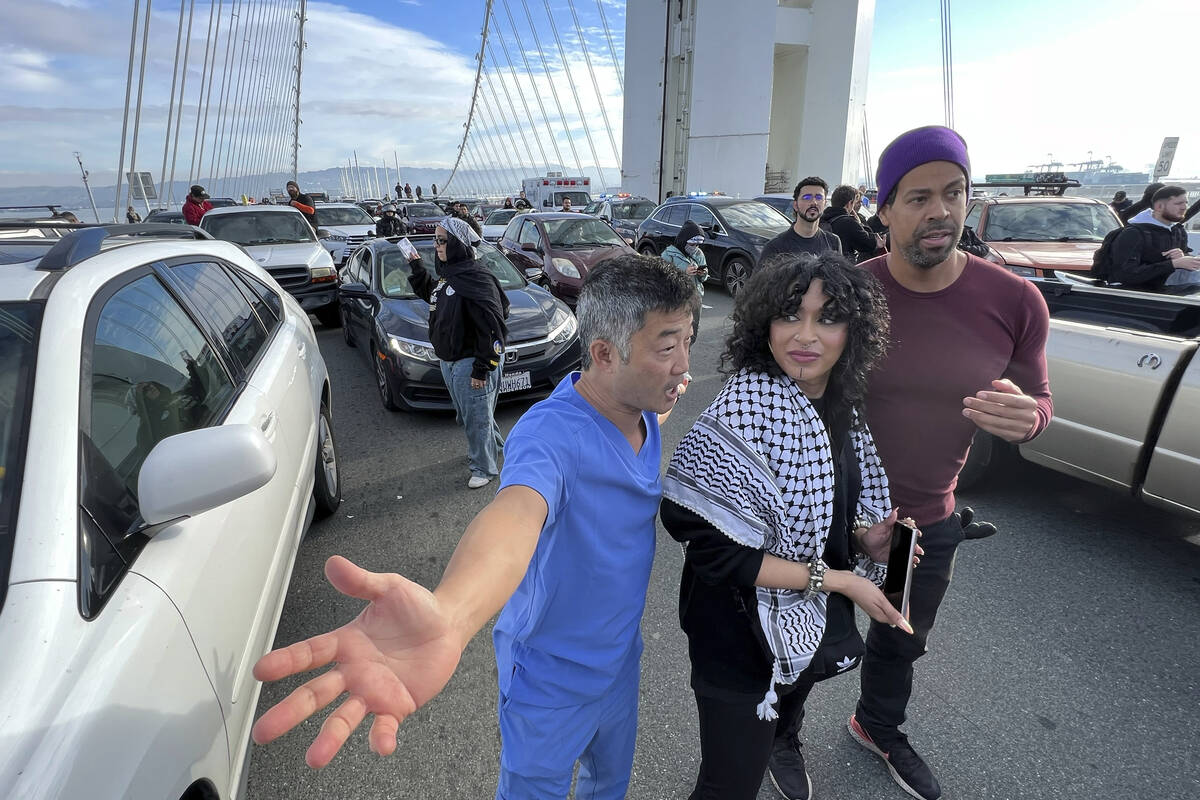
85 241
1056 187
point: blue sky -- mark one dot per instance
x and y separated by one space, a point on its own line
1057 77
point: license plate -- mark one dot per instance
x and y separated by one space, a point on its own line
515 382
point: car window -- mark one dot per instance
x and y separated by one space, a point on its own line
423 210
529 233
972 220
1049 222
702 216
580 232
266 293
265 312
218 300
500 216
249 228
19 326
395 269
153 375
675 214
632 211
363 272
346 215
754 217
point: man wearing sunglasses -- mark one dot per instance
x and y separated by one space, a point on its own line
805 235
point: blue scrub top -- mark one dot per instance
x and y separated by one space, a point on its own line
574 622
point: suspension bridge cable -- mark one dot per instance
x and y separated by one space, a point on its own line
233 140
137 114
125 119
587 130
508 128
277 145
508 97
205 78
521 91
474 92
300 45
612 50
162 175
187 49
533 84
242 104
220 92
612 140
263 60
272 76
496 146
246 135
553 90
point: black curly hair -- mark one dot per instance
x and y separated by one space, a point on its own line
777 288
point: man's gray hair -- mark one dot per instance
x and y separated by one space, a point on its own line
621 291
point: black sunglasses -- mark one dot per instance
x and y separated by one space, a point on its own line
440 240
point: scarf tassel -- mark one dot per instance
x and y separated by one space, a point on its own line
766 709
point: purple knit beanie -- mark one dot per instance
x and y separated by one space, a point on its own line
914 148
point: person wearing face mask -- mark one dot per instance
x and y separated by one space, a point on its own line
389 224
805 235
467 309
685 253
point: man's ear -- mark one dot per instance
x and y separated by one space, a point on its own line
604 354
882 211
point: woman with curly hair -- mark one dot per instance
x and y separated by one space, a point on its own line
782 506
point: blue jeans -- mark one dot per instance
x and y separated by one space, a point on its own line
476 411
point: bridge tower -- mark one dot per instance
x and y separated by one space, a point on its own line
744 96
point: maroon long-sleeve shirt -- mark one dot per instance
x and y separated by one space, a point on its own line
946 346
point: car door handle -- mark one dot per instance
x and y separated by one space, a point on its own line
1150 360
301 349
267 424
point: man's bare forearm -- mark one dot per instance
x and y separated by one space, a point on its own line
491 559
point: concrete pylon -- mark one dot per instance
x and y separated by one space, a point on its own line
730 96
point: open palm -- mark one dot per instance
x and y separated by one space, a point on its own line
391 659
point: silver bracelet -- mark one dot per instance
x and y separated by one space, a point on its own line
816 578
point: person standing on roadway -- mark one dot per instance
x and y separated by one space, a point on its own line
196 205
302 203
685 253
389 224
842 220
968 356
467 309
805 234
563 552
1152 251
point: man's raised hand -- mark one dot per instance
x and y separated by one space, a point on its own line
390 660
1006 411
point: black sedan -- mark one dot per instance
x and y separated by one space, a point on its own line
389 324
736 232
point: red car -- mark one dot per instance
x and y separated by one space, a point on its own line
1033 235
563 246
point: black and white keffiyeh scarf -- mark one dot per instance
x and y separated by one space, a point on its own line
758 465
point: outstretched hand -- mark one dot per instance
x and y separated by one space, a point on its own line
391 659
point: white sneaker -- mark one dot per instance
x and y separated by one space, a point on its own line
477 482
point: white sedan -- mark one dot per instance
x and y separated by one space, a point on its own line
165 440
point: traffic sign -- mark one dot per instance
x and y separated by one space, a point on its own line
142 186
1166 156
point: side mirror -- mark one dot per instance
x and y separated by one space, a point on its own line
530 247
322 233
546 203
605 218
372 233
533 274
712 231
354 289
190 473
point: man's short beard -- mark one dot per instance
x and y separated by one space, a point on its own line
922 259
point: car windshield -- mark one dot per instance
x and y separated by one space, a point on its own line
394 269
349 215
582 232
635 212
578 199
19 324
501 217
1049 222
756 218
249 228
423 210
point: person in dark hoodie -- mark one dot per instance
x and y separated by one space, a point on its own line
841 219
1152 251
685 253
467 309
1133 210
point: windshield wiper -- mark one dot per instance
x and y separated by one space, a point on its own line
1078 239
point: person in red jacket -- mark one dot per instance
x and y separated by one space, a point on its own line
196 205
302 203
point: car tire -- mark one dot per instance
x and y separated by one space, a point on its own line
736 273
327 487
346 331
330 316
981 461
647 250
381 382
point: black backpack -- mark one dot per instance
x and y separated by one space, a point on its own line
1102 258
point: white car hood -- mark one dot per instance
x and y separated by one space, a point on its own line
494 231
349 230
311 254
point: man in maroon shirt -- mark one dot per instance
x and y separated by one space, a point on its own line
967 354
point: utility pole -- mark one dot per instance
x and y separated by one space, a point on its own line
299 73
86 186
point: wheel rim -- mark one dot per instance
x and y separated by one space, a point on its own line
736 277
328 456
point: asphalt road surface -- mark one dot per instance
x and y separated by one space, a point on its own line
1065 662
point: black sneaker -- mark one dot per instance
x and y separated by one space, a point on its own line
907 768
787 771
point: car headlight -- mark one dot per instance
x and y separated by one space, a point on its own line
421 351
333 237
562 326
322 274
628 240
994 257
566 267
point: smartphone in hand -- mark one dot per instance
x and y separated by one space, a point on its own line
898 583
406 247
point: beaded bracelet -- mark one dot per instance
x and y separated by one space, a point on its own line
816 578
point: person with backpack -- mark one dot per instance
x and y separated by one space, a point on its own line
841 219
1152 250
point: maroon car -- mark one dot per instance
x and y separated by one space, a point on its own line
421 217
564 246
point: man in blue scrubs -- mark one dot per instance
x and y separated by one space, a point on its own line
564 549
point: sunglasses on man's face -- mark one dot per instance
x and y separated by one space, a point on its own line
442 240
817 197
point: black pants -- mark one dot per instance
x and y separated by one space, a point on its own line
735 744
887 667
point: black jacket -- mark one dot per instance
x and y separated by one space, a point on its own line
461 327
856 240
971 243
1137 255
389 226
